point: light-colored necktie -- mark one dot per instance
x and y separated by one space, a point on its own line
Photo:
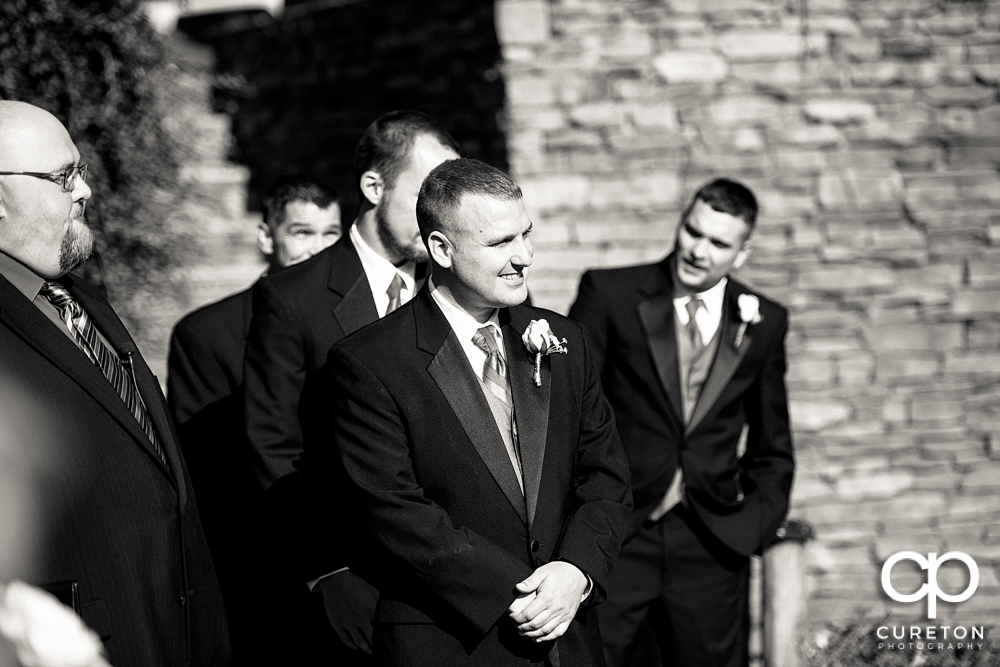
694 333
395 288
85 335
495 379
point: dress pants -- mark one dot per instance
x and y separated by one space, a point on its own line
691 590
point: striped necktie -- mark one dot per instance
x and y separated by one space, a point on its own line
395 288
495 368
694 332
85 335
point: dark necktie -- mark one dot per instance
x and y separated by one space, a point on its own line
692 326
395 287
85 335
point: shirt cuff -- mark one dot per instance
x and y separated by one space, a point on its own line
312 584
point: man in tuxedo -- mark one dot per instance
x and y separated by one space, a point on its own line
693 363
299 313
204 392
122 541
492 501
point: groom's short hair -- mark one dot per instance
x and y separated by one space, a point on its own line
442 191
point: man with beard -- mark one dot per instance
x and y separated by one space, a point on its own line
121 539
299 313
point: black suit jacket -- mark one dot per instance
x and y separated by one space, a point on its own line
437 495
118 522
205 395
299 312
629 315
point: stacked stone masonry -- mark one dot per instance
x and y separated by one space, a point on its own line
871 133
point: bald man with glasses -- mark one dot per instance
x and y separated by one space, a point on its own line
121 541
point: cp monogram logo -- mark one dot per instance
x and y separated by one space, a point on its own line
930 590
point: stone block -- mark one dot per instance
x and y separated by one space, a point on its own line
522 21
988 72
936 410
982 363
976 304
813 416
746 110
893 134
529 90
874 484
839 111
597 114
899 237
812 135
855 369
904 367
691 67
974 96
835 25
796 160
811 373
628 42
860 49
835 279
947 336
573 139
553 192
860 190
764 45
659 115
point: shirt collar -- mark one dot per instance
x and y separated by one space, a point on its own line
712 298
464 325
379 270
24 279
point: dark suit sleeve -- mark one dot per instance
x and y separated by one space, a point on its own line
588 310
191 382
594 531
274 372
469 574
768 462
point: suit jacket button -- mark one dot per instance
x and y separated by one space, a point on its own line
183 600
534 546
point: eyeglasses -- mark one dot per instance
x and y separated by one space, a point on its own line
66 178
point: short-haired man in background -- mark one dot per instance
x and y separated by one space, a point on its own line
693 363
298 314
493 487
204 391
121 539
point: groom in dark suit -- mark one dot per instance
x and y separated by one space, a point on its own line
493 500
299 312
120 538
693 363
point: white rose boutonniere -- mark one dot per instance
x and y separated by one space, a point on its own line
539 340
749 314
44 632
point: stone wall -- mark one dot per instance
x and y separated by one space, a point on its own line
871 133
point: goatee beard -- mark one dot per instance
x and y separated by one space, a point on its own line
76 247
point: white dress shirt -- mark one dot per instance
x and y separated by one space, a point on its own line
465 327
381 271
708 318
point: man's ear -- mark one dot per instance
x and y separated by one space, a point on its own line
440 249
743 255
264 239
372 187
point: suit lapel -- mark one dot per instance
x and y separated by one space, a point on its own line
451 372
531 404
37 331
727 358
356 307
656 314
105 319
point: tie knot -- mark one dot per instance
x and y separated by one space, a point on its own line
485 341
395 287
60 297
693 305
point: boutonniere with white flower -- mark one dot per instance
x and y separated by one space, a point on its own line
540 341
44 632
749 314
